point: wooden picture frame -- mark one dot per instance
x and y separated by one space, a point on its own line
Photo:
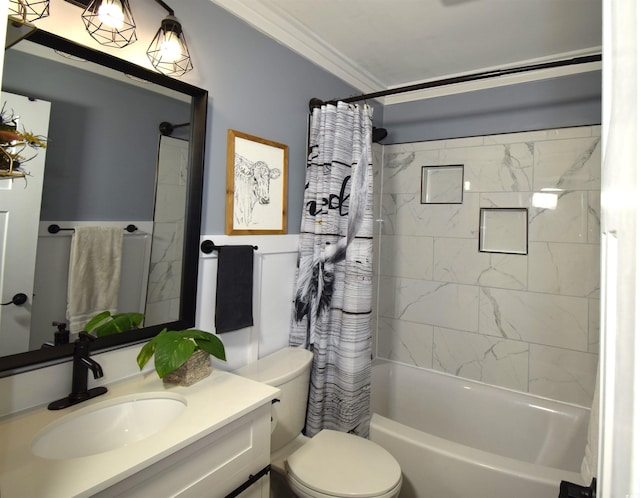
256 198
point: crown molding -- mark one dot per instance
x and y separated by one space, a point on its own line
280 26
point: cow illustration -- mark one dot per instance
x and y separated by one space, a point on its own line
251 181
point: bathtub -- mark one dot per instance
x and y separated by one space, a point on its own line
456 438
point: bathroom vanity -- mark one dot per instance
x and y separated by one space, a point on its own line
211 439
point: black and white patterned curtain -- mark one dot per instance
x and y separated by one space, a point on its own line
332 308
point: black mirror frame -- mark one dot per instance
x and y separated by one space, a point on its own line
31 360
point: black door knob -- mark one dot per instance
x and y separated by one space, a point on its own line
19 299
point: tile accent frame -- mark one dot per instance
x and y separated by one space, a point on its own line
484 227
424 185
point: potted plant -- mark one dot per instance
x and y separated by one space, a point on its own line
13 142
182 356
104 323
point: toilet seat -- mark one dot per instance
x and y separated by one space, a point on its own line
302 490
335 464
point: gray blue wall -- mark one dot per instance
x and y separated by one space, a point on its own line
556 103
256 86
259 87
103 139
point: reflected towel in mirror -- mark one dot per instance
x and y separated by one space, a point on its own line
95 262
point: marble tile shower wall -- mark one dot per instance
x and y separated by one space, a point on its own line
526 322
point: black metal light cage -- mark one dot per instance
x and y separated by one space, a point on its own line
169 64
106 35
29 10
169 27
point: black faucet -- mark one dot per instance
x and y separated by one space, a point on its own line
81 366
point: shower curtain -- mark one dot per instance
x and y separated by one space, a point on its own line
332 308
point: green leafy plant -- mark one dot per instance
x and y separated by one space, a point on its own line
105 323
13 143
172 348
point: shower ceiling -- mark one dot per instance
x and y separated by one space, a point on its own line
379 44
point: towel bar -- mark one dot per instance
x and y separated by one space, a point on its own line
208 247
56 228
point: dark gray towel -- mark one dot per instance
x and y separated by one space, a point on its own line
234 290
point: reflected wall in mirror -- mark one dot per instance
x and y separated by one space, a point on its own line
102 165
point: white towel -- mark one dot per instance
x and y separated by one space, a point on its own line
95 263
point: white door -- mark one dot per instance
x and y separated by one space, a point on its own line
20 201
619 454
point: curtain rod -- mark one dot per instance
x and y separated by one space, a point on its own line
461 79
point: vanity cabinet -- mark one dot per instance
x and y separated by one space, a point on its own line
212 467
210 450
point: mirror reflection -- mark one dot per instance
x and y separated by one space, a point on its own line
119 154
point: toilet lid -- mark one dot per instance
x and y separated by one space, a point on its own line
342 464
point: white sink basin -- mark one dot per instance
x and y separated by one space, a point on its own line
108 425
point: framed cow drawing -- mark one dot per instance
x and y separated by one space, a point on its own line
256 185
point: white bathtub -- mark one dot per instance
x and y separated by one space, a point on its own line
456 438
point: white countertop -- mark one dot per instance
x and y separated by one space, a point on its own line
212 403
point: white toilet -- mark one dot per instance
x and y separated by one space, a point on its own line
331 464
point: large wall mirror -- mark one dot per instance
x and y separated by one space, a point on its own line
104 165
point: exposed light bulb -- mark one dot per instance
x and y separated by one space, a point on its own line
170 50
110 22
111 13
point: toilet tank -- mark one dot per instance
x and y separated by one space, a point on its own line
287 369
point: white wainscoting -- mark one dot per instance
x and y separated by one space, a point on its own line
52 274
274 274
273 282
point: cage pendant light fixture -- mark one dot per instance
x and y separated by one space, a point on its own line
29 10
168 51
110 22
